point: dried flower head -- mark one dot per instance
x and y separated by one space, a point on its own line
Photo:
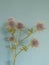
34 43
20 26
11 25
11 22
40 26
9 38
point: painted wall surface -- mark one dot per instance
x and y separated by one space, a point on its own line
30 12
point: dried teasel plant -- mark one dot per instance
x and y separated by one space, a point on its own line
19 36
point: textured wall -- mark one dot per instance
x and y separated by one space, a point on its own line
30 12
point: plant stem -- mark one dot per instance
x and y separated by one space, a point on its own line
19 52
16 56
25 38
14 60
